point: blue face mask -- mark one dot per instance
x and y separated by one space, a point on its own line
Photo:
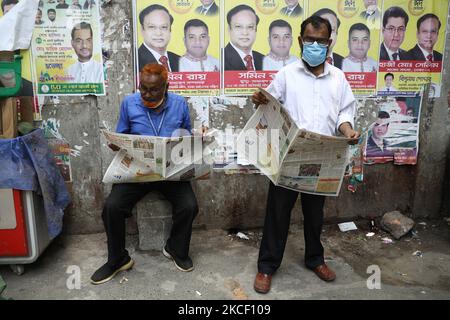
314 54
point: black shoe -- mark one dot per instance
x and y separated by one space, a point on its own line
107 271
185 265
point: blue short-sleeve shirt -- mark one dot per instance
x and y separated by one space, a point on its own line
136 118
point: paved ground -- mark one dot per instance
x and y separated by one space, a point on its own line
225 267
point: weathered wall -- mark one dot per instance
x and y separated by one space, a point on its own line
238 200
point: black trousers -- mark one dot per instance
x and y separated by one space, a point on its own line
123 198
280 202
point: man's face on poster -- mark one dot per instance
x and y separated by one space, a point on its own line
410 112
388 81
427 35
243 30
291 3
156 30
206 3
51 15
380 129
196 41
82 44
334 28
280 41
359 44
394 33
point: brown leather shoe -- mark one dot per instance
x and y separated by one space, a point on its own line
325 273
262 282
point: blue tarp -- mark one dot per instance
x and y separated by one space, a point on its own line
26 163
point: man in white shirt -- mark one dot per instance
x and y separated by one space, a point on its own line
51 15
196 41
318 98
280 42
358 45
85 70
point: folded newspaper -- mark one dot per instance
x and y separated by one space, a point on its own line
292 157
150 158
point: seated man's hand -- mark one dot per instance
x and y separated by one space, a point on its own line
259 98
113 147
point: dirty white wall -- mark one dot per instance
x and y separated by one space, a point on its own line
238 200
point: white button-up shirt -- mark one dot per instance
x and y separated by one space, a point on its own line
318 104
86 72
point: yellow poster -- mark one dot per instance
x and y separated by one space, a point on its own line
67 48
413 42
260 37
355 33
184 36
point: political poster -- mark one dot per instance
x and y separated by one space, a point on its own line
184 36
67 48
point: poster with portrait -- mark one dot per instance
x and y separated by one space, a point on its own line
412 46
67 48
394 135
184 36
355 33
260 37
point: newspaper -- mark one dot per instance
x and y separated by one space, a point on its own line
150 158
291 157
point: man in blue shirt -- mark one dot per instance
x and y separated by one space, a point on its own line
155 112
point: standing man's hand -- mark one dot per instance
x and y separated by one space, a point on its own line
259 98
348 132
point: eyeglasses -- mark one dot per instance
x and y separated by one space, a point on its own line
394 29
321 43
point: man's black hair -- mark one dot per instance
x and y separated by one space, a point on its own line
238 9
279 23
151 8
8 2
316 22
388 74
360 27
395 12
195 23
383 115
426 17
81 26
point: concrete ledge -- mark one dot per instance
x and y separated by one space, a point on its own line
154 221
